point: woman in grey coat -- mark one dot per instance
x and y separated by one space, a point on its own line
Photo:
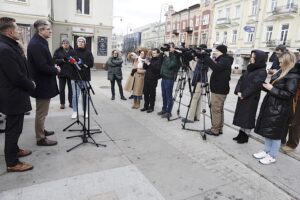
114 73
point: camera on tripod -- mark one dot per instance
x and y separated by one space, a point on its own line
202 51
164 48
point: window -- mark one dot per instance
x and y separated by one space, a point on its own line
250 37
83 7
273 4
217 37
196 39
191 23
289 4
219 14
269 33
254 7
205 20
183 24
225 37
234 35
237 11
284 33
227 12
204 38
168 27
197 21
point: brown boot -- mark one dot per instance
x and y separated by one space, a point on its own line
20 167
134 104
138 104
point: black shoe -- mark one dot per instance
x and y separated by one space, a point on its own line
161 112
131 97
243 139
166 115
185 120
123 98
150 110
209 132
144 109
112 97
48 133
238 136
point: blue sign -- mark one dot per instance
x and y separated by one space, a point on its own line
249 29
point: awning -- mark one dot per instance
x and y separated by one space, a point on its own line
83 34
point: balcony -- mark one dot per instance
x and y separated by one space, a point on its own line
189 30
223 22
175 32
284 12
275 43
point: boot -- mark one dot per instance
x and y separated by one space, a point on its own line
138 104
238 136
243 139
134 104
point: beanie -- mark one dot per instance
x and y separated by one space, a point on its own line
81 38
222 48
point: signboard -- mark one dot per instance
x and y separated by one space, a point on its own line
249 29
102 46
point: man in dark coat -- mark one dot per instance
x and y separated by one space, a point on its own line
114 73
15 86
60 57
219 85
85 60
152 75
44 75
248 90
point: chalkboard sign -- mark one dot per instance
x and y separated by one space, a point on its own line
102 46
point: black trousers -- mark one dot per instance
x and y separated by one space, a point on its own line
62 85
149 93
14 127
119 82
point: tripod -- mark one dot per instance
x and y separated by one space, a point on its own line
183 76
201 74
85 88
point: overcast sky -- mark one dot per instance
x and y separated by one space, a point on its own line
136 13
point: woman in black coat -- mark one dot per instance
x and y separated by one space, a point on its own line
248 90
60 57
114 73
273 118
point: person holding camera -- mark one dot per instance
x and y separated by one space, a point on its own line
15 86
60 58
114 73
152 75
44 75
79 77
273 119
279 50
168 72
248 90
219 85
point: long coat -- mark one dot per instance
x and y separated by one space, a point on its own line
15 84
272 121
60 57
114 70
87 62
250 84
135 83
42 68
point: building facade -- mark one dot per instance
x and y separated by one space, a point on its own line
70 19
152 35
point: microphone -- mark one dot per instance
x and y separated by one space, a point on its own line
79 61
74 62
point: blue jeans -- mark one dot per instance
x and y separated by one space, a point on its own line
167 90
272 147
76 90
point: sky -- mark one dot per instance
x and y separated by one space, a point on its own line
136 13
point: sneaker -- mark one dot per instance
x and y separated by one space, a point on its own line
161 112
260 155
166 115
267 160
74 115
287 149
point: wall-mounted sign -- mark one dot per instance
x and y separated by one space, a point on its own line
102 46
82 30
249 29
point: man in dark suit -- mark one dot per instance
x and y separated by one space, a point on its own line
44 75
15 87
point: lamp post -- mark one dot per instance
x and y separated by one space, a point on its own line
159 24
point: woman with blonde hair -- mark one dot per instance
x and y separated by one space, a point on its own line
272 121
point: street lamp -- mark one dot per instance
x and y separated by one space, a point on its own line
159 24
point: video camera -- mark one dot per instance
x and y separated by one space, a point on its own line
166 47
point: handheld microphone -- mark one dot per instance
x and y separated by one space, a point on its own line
79 61
74 62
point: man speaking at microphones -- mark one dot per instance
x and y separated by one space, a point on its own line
44 74
81 73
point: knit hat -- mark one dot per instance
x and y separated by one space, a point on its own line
222 48
81 38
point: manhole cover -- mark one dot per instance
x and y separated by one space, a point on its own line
104 87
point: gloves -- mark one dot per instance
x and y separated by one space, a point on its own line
133 71
79 61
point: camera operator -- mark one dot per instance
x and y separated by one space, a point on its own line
168 72
79 77
60 58
200 76
279 50
219 85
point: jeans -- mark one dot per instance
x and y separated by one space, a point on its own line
167 90
272 147
77 87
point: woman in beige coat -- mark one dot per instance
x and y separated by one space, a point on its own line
135 82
